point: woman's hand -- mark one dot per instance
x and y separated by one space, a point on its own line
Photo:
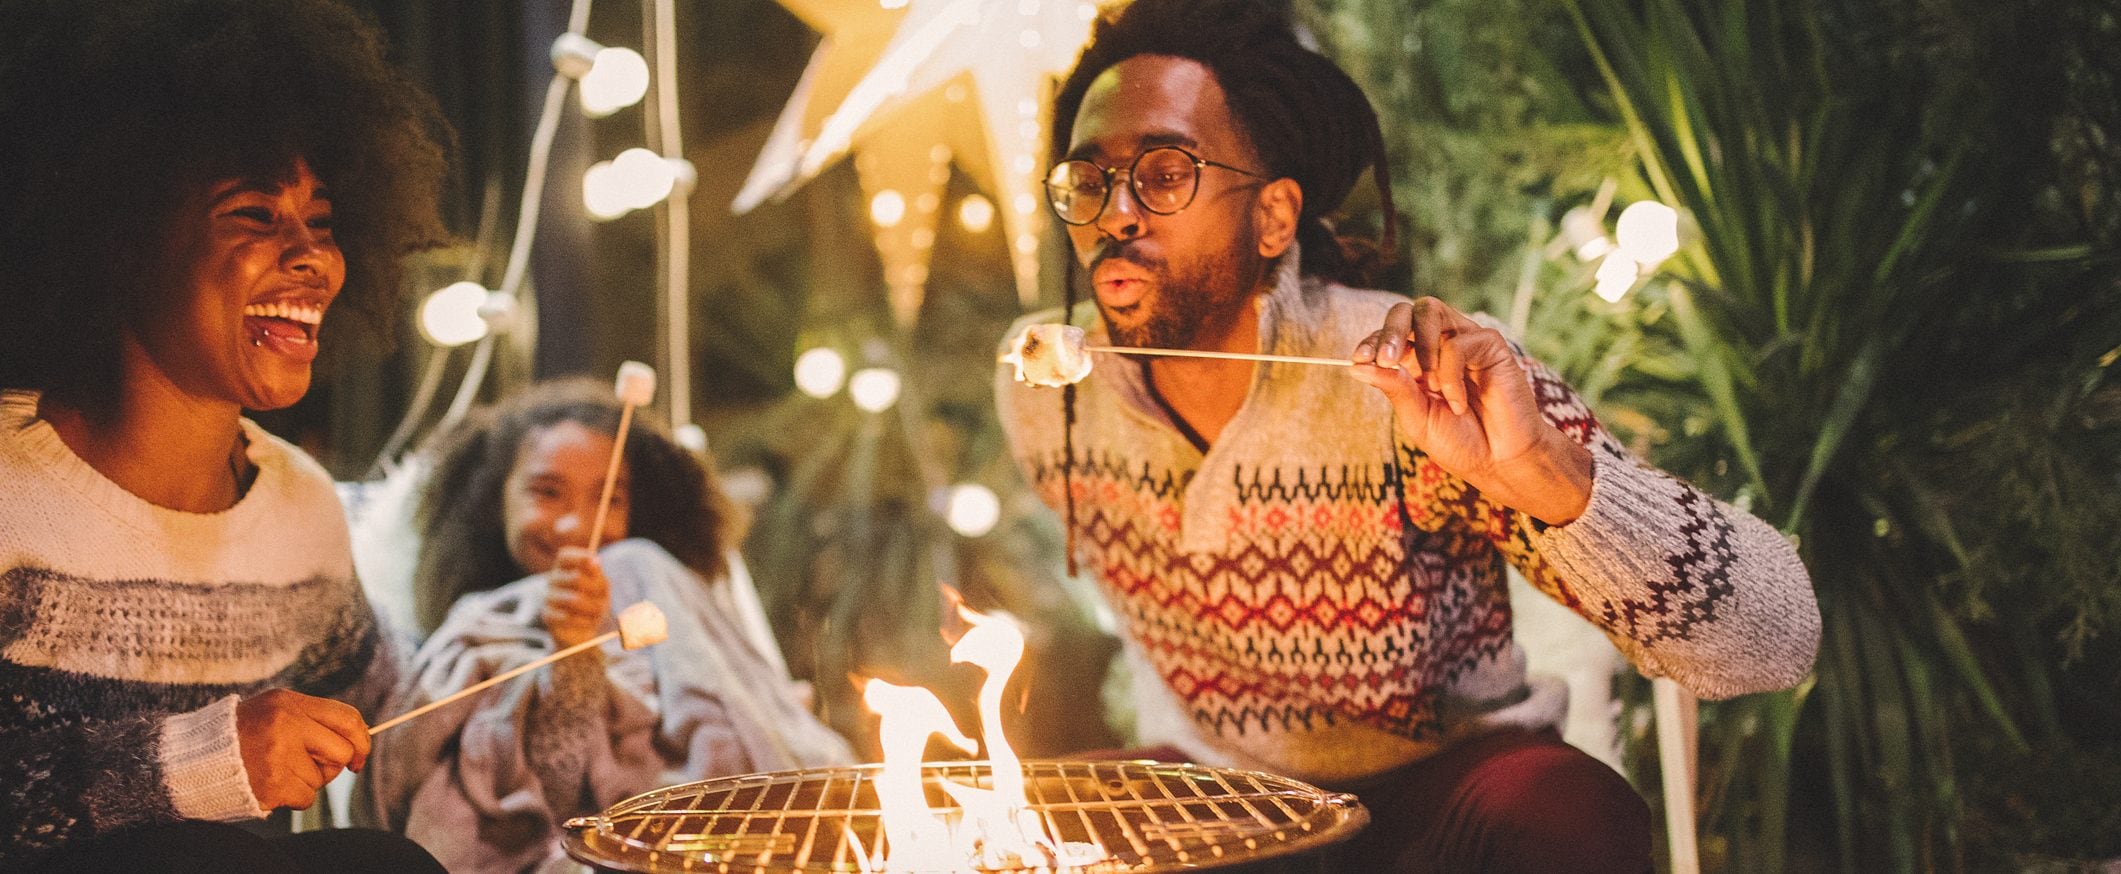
577 597
1460 395
293 744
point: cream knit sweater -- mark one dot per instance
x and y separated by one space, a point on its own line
128 632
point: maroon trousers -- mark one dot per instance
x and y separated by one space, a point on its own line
1509 802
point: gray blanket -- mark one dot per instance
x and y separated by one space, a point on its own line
483 782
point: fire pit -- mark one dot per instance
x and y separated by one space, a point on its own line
1126 816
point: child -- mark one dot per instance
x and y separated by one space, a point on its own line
512 497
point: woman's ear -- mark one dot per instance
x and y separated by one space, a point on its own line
1275 213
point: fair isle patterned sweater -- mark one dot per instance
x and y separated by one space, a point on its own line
1322 600
128 631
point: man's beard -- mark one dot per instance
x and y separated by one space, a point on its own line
1188 297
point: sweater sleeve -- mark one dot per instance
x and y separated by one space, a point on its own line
70 778
1687 587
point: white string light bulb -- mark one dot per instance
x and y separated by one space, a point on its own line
1648 232
602 193
874 389
643 177
450 316
975 213
972 510
1616 274
887 208
820 372
617 78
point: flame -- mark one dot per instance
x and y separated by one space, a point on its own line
998 828
919 840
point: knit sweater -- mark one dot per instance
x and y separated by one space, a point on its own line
1322 600
128 632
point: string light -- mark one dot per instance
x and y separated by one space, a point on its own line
1585 234
874 389
972 509
450 316
975 213
1616 274
610 78
820 372
1648 232
887 208
636 179
618 79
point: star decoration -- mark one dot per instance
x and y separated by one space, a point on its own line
956 81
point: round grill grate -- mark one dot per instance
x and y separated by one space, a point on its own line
1146 816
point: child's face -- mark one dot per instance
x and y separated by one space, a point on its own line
550 499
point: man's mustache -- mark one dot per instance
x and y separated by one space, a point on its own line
1124 251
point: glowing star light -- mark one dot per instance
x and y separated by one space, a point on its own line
955 81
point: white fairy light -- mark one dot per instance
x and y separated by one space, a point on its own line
602 193
874 389
616 80
1616 274
973 509
644 177
1585 234
887 208
450 316
1648 232
975 213
820 372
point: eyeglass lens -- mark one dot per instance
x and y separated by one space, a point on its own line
1164 181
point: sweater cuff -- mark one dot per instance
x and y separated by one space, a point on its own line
202 764
1629 503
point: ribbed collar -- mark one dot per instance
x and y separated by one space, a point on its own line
40 445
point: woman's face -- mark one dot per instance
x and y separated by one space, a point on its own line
258 269
550 499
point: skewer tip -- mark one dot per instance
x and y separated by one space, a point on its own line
636 384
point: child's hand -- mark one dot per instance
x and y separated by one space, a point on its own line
577 599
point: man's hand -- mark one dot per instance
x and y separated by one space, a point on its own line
577 597
1460 395
293 744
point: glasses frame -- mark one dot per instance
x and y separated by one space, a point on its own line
1111 175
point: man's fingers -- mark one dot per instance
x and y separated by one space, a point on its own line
1392 339
1450 374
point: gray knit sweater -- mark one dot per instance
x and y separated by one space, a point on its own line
1322 600
128 632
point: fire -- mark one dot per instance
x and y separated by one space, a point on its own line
998 827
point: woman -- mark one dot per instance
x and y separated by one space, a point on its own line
187 189
505 518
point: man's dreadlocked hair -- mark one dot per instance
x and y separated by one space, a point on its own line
1304 117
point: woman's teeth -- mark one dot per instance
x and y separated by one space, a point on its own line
307 314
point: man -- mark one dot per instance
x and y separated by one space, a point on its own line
1312 564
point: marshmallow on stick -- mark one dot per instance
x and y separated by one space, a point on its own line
1051 356
641 624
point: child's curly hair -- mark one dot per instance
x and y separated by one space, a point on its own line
114 115
674 500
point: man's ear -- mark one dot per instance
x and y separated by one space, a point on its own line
1280 204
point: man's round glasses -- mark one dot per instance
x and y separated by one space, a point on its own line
1164 180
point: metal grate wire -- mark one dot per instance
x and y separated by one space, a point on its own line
1146 816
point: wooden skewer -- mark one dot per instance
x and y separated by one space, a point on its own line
422 710
1234 356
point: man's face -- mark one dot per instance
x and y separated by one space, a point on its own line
1159 278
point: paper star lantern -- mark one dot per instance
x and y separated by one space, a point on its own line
956 81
